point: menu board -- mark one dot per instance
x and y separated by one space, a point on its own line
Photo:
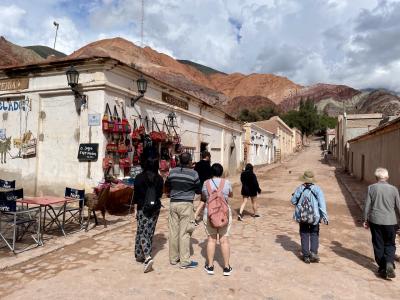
88 152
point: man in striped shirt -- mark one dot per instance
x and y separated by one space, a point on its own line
183 184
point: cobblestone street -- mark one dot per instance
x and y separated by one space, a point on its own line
264 255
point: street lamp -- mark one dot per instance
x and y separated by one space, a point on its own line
142 88
73 80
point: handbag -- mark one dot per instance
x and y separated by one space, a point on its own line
157 136
105 122
125 163
108 162
137 132
112 147
122 148
118 127
125 123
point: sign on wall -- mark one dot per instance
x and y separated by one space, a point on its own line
9 105
167 98
94 119
88 152
14 84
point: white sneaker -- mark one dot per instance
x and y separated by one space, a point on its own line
148 265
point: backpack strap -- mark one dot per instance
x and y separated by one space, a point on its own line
221 185
209 189
306 187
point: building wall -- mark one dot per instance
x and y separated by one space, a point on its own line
53 121
379 151
260 145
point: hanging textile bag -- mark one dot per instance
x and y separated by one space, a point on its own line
122 148
125 163
118 127
112 146
137 132
125 123
108 162
157 135
105 122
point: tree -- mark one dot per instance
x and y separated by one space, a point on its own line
247 116
266 113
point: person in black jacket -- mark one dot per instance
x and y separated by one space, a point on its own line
203 167
250 189
146 224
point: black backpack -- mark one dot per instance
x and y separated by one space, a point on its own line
152 203
307 213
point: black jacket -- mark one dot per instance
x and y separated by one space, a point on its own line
250 187
141 182
203 168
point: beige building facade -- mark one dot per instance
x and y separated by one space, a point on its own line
284 134
259 145
349 127
377 148
41 130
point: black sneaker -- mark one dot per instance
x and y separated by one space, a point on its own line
209 269
306 259
256 216
228 271
240 217
390 271
148 265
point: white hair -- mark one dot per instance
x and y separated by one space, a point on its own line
381 174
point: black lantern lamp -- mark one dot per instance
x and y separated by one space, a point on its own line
72 77
73 80
172 119
142 88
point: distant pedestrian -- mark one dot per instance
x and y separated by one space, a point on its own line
203 167
213 188
380 216
250 190
183 184
309 212
147 198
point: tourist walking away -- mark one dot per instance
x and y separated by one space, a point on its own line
250 190
217 217
183 184
203 167
380 216
310 210
147 198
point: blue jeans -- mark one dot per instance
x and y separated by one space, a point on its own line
309 235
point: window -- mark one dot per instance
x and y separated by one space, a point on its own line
190 150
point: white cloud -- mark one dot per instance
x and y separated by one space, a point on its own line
355 42
10 21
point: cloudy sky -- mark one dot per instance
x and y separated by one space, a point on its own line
353 42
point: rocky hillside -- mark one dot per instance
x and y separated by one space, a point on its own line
254 102
231 92
11 54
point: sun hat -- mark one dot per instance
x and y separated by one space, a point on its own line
308 177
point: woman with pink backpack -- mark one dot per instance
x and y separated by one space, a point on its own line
217 217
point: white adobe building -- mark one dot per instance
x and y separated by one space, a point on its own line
41 130
260 145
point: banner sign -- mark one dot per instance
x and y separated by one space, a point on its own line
14 84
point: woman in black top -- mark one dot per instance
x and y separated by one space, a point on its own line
146 223
250 189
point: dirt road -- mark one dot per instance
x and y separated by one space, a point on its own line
264 256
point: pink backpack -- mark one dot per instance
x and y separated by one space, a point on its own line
217 208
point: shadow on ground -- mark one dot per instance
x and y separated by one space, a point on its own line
288 244
354 256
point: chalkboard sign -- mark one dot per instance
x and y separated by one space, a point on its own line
88 152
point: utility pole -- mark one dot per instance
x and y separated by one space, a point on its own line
55 38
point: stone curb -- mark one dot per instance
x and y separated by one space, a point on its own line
51 249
